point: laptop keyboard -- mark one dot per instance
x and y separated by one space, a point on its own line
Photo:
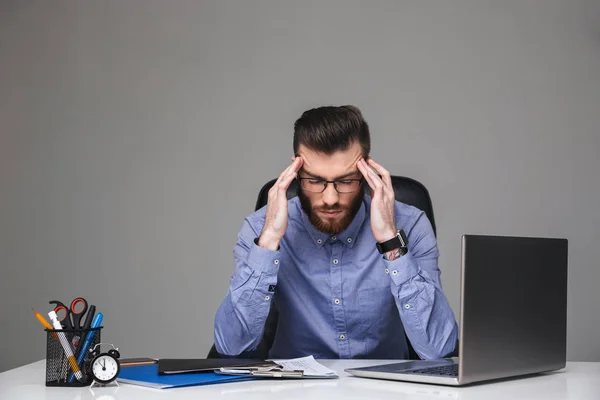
444 370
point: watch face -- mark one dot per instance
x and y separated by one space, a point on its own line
105 368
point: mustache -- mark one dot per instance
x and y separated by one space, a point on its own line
331 208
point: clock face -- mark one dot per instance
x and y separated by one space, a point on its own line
105 368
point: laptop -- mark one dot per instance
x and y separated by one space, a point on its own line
513 314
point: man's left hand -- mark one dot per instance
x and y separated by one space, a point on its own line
383 221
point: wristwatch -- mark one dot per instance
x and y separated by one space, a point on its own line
397 242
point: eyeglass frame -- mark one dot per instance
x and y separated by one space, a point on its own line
326 183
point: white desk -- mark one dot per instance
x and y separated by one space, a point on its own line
579 381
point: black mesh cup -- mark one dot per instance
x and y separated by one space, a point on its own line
62 366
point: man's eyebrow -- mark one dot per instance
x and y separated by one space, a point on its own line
336 179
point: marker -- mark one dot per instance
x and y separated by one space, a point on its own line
88 341
89 317
65 344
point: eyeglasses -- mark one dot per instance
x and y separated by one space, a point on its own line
319 185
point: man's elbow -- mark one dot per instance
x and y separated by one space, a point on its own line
226 345
449 348
222 345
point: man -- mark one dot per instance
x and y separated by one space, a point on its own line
337 295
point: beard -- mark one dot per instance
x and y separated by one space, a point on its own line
333 227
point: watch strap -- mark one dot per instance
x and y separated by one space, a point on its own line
399 241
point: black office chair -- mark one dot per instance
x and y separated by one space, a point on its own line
407 191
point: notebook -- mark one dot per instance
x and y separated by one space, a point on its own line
147 375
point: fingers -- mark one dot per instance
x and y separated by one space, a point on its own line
371 177
284 183
300 161
288 175
276 214
293 169
285 172
385 175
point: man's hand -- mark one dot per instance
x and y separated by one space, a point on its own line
276 219
383 220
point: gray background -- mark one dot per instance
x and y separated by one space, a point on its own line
135 136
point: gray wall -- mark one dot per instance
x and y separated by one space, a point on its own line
134 136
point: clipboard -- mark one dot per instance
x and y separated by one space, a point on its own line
273 372
303 368
171 366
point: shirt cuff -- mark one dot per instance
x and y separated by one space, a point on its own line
402 269
263 260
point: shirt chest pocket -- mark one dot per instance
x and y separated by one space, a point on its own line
377 308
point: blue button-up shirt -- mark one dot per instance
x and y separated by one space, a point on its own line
337 296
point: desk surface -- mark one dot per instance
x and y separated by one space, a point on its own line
580 381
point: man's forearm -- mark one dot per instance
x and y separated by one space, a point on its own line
238 326
240 319
427 317
393 254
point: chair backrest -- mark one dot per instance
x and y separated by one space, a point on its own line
407 190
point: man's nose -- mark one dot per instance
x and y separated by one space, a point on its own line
330 195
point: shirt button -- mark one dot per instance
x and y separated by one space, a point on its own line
349 240
267 298
342 336
394 272
337 301
335 261
387 271
334 238
276 262
319 241
407 306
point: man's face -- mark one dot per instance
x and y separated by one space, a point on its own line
331 212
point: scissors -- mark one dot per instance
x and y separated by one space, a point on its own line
73 317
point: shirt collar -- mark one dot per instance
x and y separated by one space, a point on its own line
348 236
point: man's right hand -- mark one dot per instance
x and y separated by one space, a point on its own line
276 218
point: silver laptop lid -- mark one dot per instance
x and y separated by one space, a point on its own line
513 315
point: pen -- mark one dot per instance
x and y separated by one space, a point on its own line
65 344
88 341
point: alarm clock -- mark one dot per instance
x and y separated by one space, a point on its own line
104 367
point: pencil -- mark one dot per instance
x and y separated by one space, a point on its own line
43 321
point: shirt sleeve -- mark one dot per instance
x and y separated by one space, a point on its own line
240 319
415 282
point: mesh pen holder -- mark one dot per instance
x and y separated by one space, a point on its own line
59 366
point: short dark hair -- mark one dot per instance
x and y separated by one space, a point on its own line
329 129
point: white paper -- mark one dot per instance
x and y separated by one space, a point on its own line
307 364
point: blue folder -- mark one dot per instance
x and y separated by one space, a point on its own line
147 375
